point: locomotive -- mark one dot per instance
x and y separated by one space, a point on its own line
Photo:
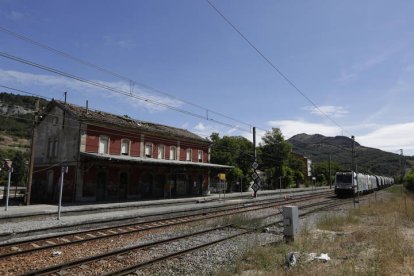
352 183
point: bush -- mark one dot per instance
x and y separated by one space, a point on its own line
409 180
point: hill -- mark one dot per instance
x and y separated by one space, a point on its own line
368 160
16 114
16 119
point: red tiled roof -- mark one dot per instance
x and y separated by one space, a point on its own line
96 116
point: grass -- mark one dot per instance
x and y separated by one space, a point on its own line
375 239
243 221
337 222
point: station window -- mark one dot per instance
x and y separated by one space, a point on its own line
125 146
173 153
55 120
148 150
55 147
103 144
188 155
161 152
200 156
50 147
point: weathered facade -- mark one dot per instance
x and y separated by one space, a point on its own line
115 158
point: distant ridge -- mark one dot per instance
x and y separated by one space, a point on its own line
368 160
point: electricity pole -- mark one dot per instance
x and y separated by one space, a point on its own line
401 165
330 172
255 155
32 153
353 171
353 148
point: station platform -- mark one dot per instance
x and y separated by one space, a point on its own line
23 219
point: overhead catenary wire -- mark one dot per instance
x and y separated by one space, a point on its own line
268 61
133 135
112 73
117 90
130 134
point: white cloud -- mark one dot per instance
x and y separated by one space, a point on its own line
50 82
292 127
329 110
386 137
200 127
391 138
205 130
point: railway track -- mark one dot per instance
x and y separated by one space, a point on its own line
18 248
133 219
129 260
22 249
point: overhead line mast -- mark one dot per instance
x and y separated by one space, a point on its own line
32 153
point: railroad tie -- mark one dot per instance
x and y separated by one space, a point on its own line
91 235
78 238
51 242
35 245
65 240
102 233
112 232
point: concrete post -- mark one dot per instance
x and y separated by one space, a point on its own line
290 222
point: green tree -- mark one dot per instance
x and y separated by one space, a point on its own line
273 154
299 169
409 180
233 151
19 168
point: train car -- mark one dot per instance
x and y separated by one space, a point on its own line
345 183
362 181
372 183
351 183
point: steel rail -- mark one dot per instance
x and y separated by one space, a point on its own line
107 232
87 260
134 268
141 265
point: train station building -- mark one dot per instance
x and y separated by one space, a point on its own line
116 158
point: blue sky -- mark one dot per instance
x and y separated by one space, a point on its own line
353 59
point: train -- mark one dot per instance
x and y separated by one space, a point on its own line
352 183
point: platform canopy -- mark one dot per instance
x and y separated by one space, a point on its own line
154 161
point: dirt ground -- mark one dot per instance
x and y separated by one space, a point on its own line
376 238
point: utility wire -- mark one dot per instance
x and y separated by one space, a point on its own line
110 72
274 66
116 90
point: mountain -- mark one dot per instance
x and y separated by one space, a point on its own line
16 114
16 120
368 160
